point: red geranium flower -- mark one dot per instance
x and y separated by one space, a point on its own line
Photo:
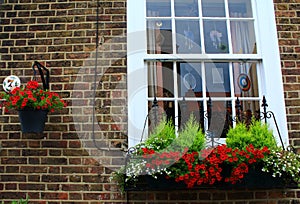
32 97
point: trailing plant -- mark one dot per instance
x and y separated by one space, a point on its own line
119 177
282 163
21 201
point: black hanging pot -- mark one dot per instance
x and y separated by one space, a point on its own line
33 121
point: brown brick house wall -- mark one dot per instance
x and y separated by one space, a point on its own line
288 19
56 167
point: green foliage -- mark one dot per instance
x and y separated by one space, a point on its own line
119 177
21 201
191 136
283 163
258 134
162 136
238 136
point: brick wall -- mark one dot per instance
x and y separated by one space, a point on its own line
72 160
216 197
63 164
288 19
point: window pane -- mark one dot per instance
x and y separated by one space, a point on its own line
219 118
186 108
158 8
158 111
159 37
246 110
243 37
213 8
188 36
215 36
189 80
187 8
217 79
245 79
240 8
160 79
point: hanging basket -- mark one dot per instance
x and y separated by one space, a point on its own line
33 121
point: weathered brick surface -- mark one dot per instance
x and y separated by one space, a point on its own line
55 167
63 165
215 196
287 18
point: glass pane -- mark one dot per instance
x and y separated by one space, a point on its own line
243 37
186 108
246 110
213 8
156 111
219 115
188 36
215 36
240 8
245 79
160 79
158 8
187 8
159 37
189 79
217 79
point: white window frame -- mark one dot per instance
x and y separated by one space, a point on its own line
266 36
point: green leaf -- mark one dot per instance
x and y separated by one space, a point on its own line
258 134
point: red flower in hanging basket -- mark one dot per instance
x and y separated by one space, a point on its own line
32 97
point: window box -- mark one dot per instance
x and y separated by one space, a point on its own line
254 179
250 159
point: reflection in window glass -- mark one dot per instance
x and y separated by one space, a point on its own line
186 8
158 8
213 8
219 118
188 36
160 110
243 37
240 8
215 36
245 79
160 79
159 37
248 109
189 80
217 79
186 108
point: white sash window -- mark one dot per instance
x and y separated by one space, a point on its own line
212 58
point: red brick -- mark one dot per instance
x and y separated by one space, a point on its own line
11 186
13 178
55 196
32 186
241 195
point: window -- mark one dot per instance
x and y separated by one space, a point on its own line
215 59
